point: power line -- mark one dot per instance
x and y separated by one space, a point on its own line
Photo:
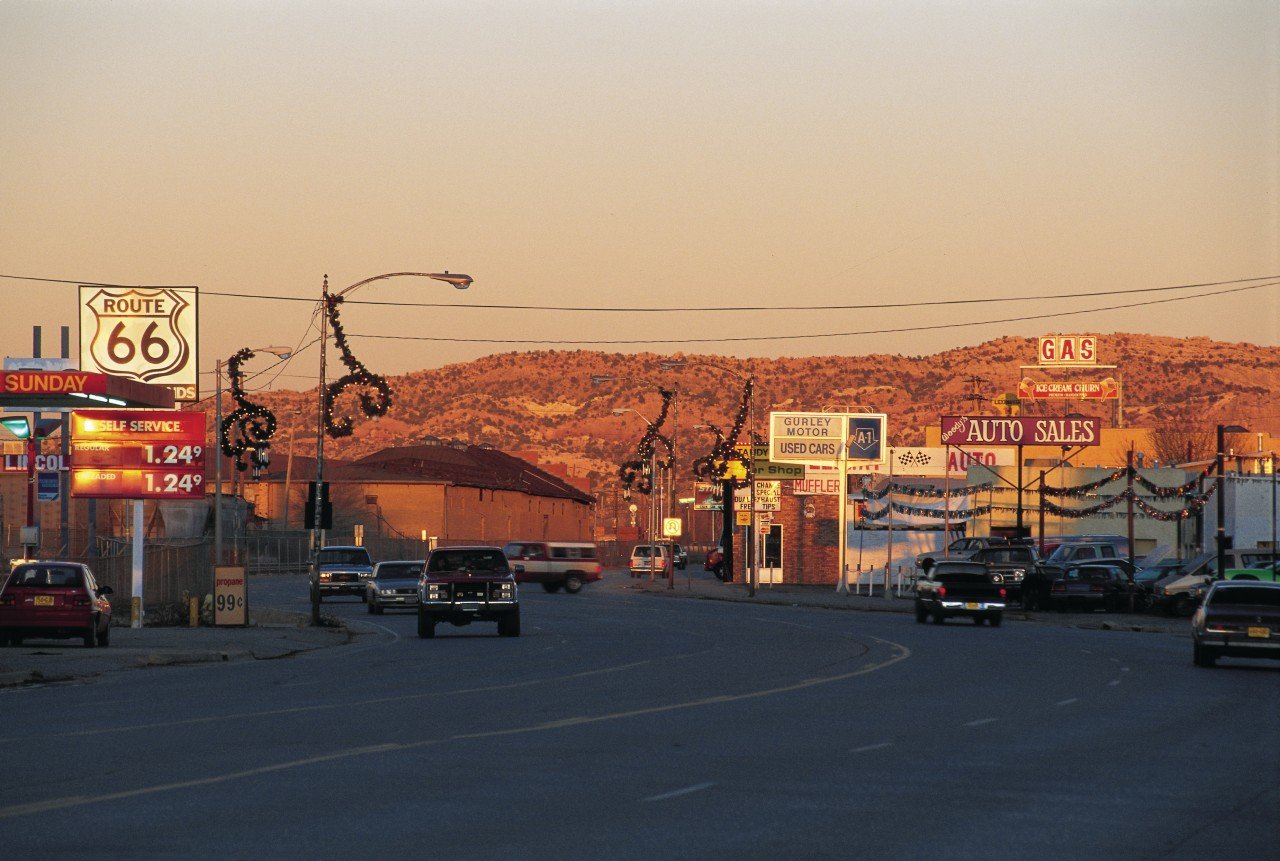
693 309
893 331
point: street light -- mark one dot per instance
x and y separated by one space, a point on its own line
726 537
653 499
1221 534
329 303
280 352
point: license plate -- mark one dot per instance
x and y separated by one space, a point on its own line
1260 633
972 605
44 601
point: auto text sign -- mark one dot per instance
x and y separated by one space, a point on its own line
146 334
1020 430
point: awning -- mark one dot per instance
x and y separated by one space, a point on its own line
53 390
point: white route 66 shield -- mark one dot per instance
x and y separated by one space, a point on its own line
145 334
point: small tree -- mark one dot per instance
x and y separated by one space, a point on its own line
1174 441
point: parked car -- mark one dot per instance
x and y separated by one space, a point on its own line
715 563
1266 571
1037 588
679 556
461 585
1238 619
1093 586
340 569
393 584
958 550
556 564
641 564
58 600
1012 561
960 589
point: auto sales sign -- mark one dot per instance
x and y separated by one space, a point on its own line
1020 430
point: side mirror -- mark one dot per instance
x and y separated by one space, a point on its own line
518 568
105 590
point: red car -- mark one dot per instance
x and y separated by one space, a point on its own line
57 600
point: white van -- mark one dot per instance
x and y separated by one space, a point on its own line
660 564
555 564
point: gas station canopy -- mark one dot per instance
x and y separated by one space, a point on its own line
55 390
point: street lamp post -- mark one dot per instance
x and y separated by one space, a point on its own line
653 500
1221 533
281 352
748 545
328 316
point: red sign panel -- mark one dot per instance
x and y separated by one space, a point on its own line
1058 350
52 383
137 454
1100 390
1020 430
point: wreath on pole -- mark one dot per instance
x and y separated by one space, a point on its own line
372 405
249 427
633 473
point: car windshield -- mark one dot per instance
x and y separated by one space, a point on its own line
395 572
644 551
345 556
486 560
1256 595
58 576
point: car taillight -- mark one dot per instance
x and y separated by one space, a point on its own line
1097 587
1003 592
7 600
1059 587
942 591
81 601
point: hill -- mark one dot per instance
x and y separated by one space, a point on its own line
543 403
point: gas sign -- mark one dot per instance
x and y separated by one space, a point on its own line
137 454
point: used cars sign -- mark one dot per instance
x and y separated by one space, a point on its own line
1020 430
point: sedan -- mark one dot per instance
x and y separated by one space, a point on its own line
56 600
1092 587
393 584
1237 620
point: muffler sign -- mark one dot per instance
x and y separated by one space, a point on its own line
1020 430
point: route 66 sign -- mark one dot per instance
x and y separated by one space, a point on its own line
146 334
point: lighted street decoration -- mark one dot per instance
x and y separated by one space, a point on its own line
137 454
147 334
249 427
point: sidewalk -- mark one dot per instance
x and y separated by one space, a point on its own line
270 634
697 584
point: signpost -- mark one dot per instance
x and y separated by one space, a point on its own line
137 454
830 438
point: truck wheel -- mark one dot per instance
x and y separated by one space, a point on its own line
938 618
1202 656
1182 605
573 584
922 615
426 626
977 620
996 620
509 625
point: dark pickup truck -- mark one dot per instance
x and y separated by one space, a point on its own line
961 589
1014 562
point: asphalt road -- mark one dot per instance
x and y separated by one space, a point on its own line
624 725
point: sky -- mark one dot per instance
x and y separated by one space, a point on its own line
644 156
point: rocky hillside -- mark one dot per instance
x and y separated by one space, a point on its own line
543 403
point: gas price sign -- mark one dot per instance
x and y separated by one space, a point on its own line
137 454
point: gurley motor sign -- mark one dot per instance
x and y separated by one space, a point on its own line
826 437
1020 430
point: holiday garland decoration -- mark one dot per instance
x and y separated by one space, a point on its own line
249 427
926 492
954 514
374 405
632 472
715 466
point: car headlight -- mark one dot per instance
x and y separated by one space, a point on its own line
1017 574
435 592
365 575
505 591
382 591
325 576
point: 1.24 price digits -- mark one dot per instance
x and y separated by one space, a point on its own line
173 455
172 482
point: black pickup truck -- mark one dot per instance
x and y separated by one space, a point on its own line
1015 562
961 589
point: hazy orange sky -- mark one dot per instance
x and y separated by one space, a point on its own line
643 155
